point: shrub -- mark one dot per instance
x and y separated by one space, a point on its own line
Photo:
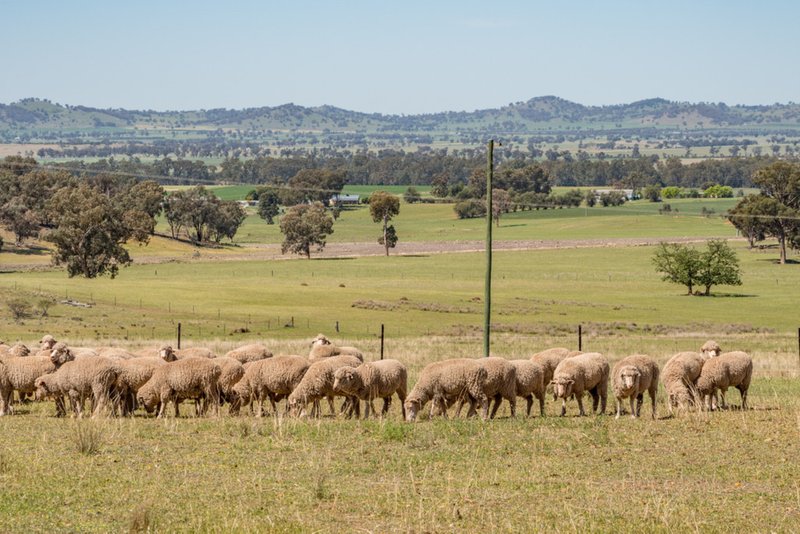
470 209
20 309
612 198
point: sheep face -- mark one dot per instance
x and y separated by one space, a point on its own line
61 354
629 378
297 407
413 406
562 388
167 354
345 380
148 399
48 342
320 340
711 349
42 391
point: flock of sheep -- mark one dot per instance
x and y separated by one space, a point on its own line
118 382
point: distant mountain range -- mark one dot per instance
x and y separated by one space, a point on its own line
537 115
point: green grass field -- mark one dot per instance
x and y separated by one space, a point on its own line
731 471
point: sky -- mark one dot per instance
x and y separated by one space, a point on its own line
396 57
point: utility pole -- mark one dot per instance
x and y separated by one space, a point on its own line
487 309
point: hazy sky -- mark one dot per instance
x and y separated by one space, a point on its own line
396 57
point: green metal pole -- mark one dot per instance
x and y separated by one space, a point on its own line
487 313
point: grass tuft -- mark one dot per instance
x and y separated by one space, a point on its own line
141 519
87 437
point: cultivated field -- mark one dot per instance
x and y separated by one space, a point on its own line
729 471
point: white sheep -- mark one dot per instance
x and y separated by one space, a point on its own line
369 381
321 348
115 352
132 374
729 369
679 376
273 378
168 354
189 378
530 382
231 371
81 379
445 381
549 360
18 350
630 378
249 353
501 383
20 373
317 384
578 374
711 349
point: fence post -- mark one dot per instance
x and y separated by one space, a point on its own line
382 338
798 345
337 327
179 336
580 337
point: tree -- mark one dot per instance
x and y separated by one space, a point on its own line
268 202
411 195
92 228
590 198
305 226
470 209
501 201
390 241
20 220
719 266
652 193
678 264
744 217
439 185
382 207
685 265
226 221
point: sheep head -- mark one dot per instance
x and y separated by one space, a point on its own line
711 349
320 340
61 354
629 377
42 388
48 342
413 406
167 354
147 397
19 350
346 379
562 387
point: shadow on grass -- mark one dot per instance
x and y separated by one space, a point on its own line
33 250
339 258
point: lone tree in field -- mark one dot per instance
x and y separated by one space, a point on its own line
383 206
685 265
501 203
268 205
305 226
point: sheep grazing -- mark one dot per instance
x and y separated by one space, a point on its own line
577 374
132 374
679 377
317 383
17 350
274 379
81 379
231 371
373 380
549 360
729 369
249 353
501 383
190 378
711 349
20 374
530 382
630 378
448 380
168 354
321 348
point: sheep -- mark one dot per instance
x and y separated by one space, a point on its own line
369 381
501 383
79 379
231 371
132 374
729 369
168 354
115 352
577 374
47 342
249 353
630 378
442 381
17 350
322 348
549 360
711 349
189 378
318 383
679 377
20 373
273 378
530 382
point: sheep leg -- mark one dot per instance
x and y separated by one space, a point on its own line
331 405
61 410
580 404
5 401
619 407
497 400
563 407
723 404
529 401
541 405
595 399
634 411
639 402
743 392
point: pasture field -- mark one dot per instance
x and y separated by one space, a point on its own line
724 471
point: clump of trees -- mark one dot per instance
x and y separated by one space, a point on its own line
202 215
305 227
690 267
775 211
